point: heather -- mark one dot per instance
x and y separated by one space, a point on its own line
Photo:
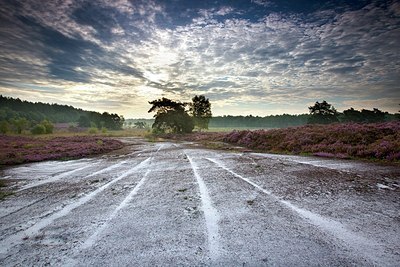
22 149
341 140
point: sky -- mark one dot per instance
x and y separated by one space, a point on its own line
259 57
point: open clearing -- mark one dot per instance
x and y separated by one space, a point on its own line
174 204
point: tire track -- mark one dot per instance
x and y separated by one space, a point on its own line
65 174
93 238
51 179
210 213
55 178
16 239
370 249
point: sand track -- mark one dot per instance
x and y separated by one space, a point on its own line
167 204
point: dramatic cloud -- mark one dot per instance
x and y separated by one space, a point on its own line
248 57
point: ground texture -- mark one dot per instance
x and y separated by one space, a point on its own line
177 204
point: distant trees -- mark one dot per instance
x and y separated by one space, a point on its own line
364 116
200 109
249 121
322 113
140 125
83 121
170 116
17 115
19 124
4 127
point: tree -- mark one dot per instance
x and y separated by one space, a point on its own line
170 116
373 116
140 125
322 113
200 109
352 115
4 127
19 124
48 126
38 129
364 116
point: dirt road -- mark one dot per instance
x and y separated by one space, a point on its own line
167 204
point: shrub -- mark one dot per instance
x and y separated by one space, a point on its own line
92 130
375 141
38 129
48 126
4 127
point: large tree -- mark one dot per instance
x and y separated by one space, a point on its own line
200 109
170 116
322 113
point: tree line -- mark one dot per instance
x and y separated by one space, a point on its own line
325 113
17 115
273 121
174 116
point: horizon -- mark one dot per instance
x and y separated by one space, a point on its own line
249 57
223 115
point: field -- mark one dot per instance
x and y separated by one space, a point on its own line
379 141
22 149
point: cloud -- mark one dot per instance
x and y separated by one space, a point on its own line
124 48
264 3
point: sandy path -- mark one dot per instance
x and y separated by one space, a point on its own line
168 204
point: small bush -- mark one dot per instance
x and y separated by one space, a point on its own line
48 126
38 129
4 127
92 130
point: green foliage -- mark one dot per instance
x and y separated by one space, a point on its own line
246 122
351 115
4 127
38 129
200 109
19 124
11 109
170 116
103 129
322 113
48 126
364 116
175 121
83 121
93 130
140 125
